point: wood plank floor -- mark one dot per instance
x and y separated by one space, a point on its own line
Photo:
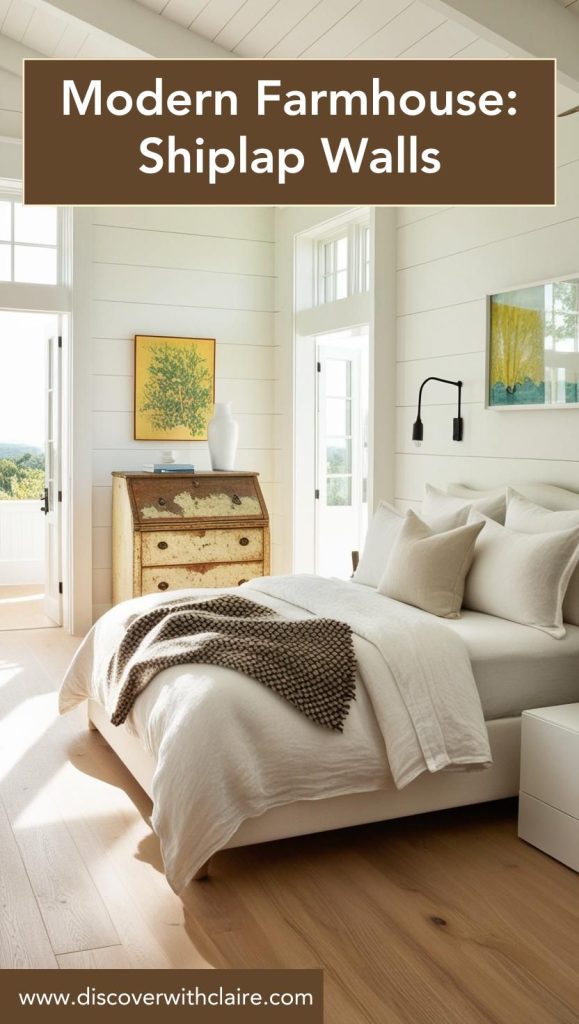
442 919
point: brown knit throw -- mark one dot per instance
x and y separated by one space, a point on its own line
308 662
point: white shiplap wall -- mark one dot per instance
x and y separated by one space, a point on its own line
448 260
204 272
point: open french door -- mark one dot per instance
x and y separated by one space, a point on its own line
52 501
341 457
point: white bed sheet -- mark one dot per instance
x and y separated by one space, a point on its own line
516 667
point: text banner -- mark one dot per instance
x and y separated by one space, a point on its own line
307 132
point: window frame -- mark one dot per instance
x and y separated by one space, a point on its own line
358 262
13 195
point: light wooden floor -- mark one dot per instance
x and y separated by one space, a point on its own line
443 919
22 608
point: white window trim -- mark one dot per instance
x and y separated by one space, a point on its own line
356 231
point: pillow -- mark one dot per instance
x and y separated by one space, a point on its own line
438 503
383 531
428 569
525 516
522 576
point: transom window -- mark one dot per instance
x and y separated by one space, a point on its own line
28 243
343 263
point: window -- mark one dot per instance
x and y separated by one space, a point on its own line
343 261
28 243
333 269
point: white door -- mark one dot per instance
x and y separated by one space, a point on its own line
52 500
341 502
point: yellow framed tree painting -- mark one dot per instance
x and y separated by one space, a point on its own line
174 387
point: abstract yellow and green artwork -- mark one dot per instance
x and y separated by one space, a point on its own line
534 345
174 387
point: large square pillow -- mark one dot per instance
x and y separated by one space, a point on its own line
437 503
527 517
522 576
383 531
428 569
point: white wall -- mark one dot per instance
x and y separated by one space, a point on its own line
204 272
448 260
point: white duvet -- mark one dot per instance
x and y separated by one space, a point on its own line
228 749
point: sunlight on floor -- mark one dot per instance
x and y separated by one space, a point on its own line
22 607
35 596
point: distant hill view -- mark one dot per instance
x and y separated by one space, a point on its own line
15 451
21 471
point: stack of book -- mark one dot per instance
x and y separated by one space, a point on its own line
168 467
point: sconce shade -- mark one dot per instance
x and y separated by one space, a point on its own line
418 430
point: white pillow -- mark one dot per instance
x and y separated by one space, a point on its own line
527 517
521 576
383 531
436 503
428 569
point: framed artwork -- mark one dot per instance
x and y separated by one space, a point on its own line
174 387
533 346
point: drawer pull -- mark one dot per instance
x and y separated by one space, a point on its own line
244 541
162 545
162 501
236 499
239 582
163 585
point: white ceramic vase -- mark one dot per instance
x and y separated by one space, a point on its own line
222 433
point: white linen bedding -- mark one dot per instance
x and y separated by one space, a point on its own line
228 749
517 667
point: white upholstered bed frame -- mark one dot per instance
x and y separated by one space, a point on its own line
427 793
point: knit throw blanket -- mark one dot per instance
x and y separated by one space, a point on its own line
310 663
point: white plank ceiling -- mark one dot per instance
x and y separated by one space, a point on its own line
260 28
573 5
50 32
324 28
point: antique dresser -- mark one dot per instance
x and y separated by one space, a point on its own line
176 530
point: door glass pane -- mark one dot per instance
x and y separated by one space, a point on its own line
35 224
339 490
5 229
338 417
338 455
338 374
4 262
34 265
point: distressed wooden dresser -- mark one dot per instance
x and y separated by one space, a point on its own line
176 530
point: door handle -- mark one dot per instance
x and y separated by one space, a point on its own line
44 508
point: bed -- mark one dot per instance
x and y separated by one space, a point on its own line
248 776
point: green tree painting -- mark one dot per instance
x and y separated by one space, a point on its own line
174 388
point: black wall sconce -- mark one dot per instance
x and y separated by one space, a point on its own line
418 429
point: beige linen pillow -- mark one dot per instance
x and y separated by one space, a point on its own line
428 569
436 503
527 517
522 576
382 535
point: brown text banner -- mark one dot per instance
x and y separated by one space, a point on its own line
307 132
274 996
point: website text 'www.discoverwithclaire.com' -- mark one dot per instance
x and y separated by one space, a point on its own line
206 996
192 997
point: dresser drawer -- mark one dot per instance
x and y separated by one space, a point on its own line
182 577
166 498
181 547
